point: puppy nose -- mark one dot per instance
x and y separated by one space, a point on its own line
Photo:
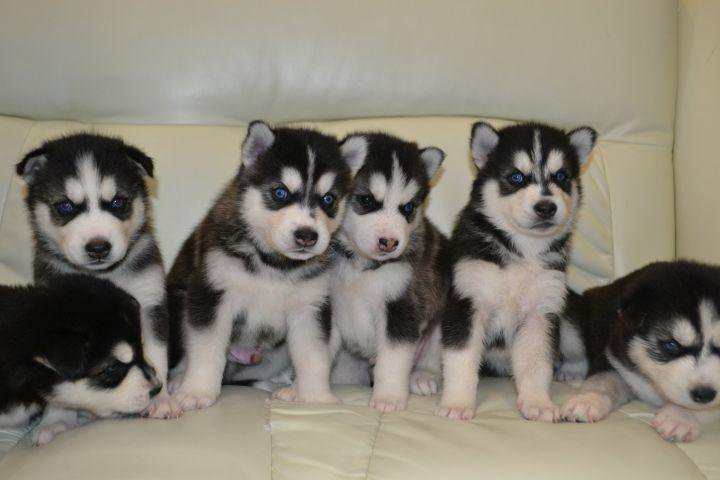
703 394
98 248
156 389
387 245
306 237
545 209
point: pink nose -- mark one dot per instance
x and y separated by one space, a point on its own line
387 245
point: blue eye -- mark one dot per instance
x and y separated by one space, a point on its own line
66 207
281 193
671 346
408 209
118 203
328 199
516 178
560 176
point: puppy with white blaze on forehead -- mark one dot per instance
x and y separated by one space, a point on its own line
90 213
654 335
254 274
509 251
388 283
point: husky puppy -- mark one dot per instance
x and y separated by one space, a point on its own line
90 213
254 273
387 286
652 335
73 345
510 249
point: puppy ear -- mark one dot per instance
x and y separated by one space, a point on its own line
583 140
354 150
65 354
432 157
31 164
483 140
144 162
258 140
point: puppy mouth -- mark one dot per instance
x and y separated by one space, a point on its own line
544 225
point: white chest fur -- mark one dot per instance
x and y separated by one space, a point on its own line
507 295
265 300
359 299
640 387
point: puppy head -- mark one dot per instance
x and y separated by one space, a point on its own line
388 193
529 176
93 350
672 320
294 184
86 197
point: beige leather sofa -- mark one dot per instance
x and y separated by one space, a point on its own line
181 79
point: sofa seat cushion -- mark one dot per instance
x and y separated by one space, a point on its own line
247 436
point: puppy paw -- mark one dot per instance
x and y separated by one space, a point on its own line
676 425
423 383
538 410
586 408
291 394
388 403
162 406
44 434
570 373
174 384
456 412
194 400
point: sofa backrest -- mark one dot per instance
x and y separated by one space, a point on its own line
422 69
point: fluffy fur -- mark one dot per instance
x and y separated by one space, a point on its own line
72 346
509 252
90 213
652 335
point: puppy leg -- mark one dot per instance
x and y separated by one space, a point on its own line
532 362
460 373
154 329
206 352
677 424
425 377
350 370
574 365
599 395
54 422
310 352
392 374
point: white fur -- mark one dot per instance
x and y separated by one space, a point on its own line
432 158
54 422
574 364
483 141
583 141
258 140
123 352
325 183
18 416
599 395
292 179
555 161
354 151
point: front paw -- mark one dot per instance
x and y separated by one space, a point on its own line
586 408
675 425
456 412
195 399
291 394
44 434
538 410
423 383
570 373
387 402
163 406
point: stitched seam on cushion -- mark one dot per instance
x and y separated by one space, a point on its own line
372 446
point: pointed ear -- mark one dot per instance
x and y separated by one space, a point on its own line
483 141
583 140
258 140
432 157
354 149
138 156
31 164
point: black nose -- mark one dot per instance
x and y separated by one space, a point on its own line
545 209
703 394
98 248
387 245
306 237
156 389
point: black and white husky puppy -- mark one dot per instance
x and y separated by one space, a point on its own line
73 345
388 287
255 272
652 335
510 249
90 213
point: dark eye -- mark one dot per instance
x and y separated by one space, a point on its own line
328 199
516 178
281 193
408 208
367 201
113 370
561 176
118 203
671 346
65 207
